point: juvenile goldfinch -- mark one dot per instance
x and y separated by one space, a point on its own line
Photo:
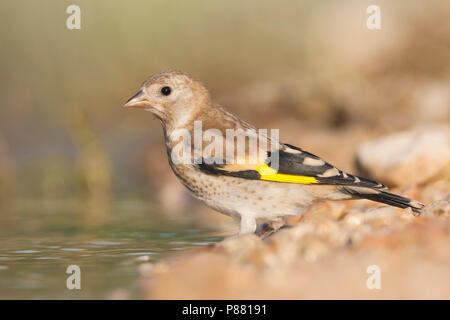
254 187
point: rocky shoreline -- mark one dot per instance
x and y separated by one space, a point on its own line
325 255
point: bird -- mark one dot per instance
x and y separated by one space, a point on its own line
259 187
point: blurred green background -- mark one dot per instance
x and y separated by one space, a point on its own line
311 68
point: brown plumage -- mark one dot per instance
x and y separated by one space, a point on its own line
266 184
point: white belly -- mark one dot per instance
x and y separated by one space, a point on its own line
262 199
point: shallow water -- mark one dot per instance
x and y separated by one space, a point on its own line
38 243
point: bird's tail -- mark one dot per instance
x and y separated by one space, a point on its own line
384 197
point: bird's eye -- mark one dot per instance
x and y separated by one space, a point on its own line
166 91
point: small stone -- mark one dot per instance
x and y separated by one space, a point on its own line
437 208
353 219
408 215
406 158
241 247
381 217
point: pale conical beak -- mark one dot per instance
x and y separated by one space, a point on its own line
138 101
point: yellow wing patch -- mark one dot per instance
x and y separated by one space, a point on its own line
269 174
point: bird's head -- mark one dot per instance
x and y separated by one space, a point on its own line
172 96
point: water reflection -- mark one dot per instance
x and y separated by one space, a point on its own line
37 248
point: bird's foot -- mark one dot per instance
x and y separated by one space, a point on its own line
266 230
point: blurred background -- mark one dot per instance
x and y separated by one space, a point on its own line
78 172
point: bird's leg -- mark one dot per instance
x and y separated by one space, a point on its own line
248 224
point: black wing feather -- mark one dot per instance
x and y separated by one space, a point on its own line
294 164
297 162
